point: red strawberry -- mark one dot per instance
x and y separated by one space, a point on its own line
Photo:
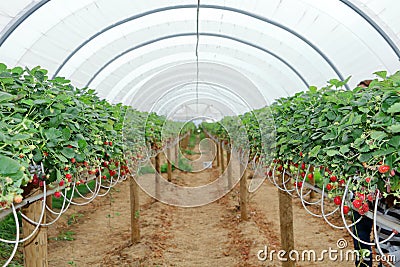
337 200
310 176
61 183
73 160
303 166
383 168
333 178
368 179
342 182
365 207
329 187
346 209
298 184
357 203
57 194
68 176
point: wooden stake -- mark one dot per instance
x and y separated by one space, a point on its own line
243 193
229 165
221 151
286 222
177 155
35 249
218 154
157 175
169 165
135 210
49 203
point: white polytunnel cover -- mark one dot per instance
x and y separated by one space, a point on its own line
188 58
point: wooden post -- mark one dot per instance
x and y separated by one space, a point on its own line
135 210
49 203
286 222
229 165
177 155
221 152
218 154
157 175
35 249
312 182
169 165
243 193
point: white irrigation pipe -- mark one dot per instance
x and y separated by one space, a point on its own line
325 216
17 237
303 202
353 224
30 221
111 182
302 195
58 215
93 193
289 191
376 237
91 198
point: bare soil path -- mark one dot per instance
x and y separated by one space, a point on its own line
210 235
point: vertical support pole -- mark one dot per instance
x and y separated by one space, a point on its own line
49 203
312 193
218 154
243 193
286 222
135 210
229 165
221 152
157 175
35 249
177 155
169 165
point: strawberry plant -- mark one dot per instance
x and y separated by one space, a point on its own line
339 133
51 130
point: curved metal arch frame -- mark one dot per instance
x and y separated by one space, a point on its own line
371 22
182 86
330 63
367 18
184 62
132 92
188 97
209 84
21 19
194 34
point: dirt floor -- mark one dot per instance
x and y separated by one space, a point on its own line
210 235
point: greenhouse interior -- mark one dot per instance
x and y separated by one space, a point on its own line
200 133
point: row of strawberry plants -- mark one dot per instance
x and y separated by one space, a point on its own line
340 133
66 129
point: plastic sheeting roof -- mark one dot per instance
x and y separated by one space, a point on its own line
143 53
